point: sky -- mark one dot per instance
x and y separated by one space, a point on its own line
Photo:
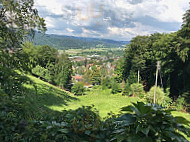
111 19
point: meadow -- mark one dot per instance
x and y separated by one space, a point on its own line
51 98
91 51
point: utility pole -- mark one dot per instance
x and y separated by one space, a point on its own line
138 75
156 82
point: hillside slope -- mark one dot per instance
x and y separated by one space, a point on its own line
41 95
71 42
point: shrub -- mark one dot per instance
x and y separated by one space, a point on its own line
106 83
161 97
42 72
180 103
127 90
148 123
115 87
137 90
78 88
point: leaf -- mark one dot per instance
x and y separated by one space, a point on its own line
137 138
128 108
182 120
143 130
63 131
125 120
87 132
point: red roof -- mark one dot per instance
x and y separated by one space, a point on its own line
77 77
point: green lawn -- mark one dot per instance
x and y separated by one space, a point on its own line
103 101
52 98
47 98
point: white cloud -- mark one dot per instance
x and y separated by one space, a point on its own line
162 10
69 30
118 18
50 23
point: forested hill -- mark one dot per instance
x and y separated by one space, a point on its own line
68 42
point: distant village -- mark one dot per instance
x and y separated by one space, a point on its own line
84 68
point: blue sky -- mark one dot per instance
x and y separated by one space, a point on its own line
111 19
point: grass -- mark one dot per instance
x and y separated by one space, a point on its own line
47 96
41 95
103 100
74 52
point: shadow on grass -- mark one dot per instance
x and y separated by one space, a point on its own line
40 96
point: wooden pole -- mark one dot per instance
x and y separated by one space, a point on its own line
138 75
156 82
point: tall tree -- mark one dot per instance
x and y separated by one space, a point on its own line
18 19
63 71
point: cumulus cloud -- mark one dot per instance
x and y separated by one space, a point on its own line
115 19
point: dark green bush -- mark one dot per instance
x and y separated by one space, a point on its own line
115 87
149 123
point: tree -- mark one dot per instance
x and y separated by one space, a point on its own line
18 19
63 71
96 77
119 70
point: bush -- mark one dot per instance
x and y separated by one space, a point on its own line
115 87
127 90
161 97
42 73
78 88
106 83
148 123
180 103
137 90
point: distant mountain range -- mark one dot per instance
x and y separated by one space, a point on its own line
69 42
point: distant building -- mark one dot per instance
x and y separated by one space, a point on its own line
77 78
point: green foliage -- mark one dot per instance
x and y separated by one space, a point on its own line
42 72
137 90
171 49
96 77
180 103
18 19
127 90
106 83
119 70
132 78
162 98
147 123
78 88
115 87
82 124
44 62
64 42
63 71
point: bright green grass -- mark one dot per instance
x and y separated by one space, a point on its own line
103 101
77 51
50 97
41 95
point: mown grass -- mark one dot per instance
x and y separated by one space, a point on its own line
44 98
47 96
42 95
103 101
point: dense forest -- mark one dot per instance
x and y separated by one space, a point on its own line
70 42
172 50
24 112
